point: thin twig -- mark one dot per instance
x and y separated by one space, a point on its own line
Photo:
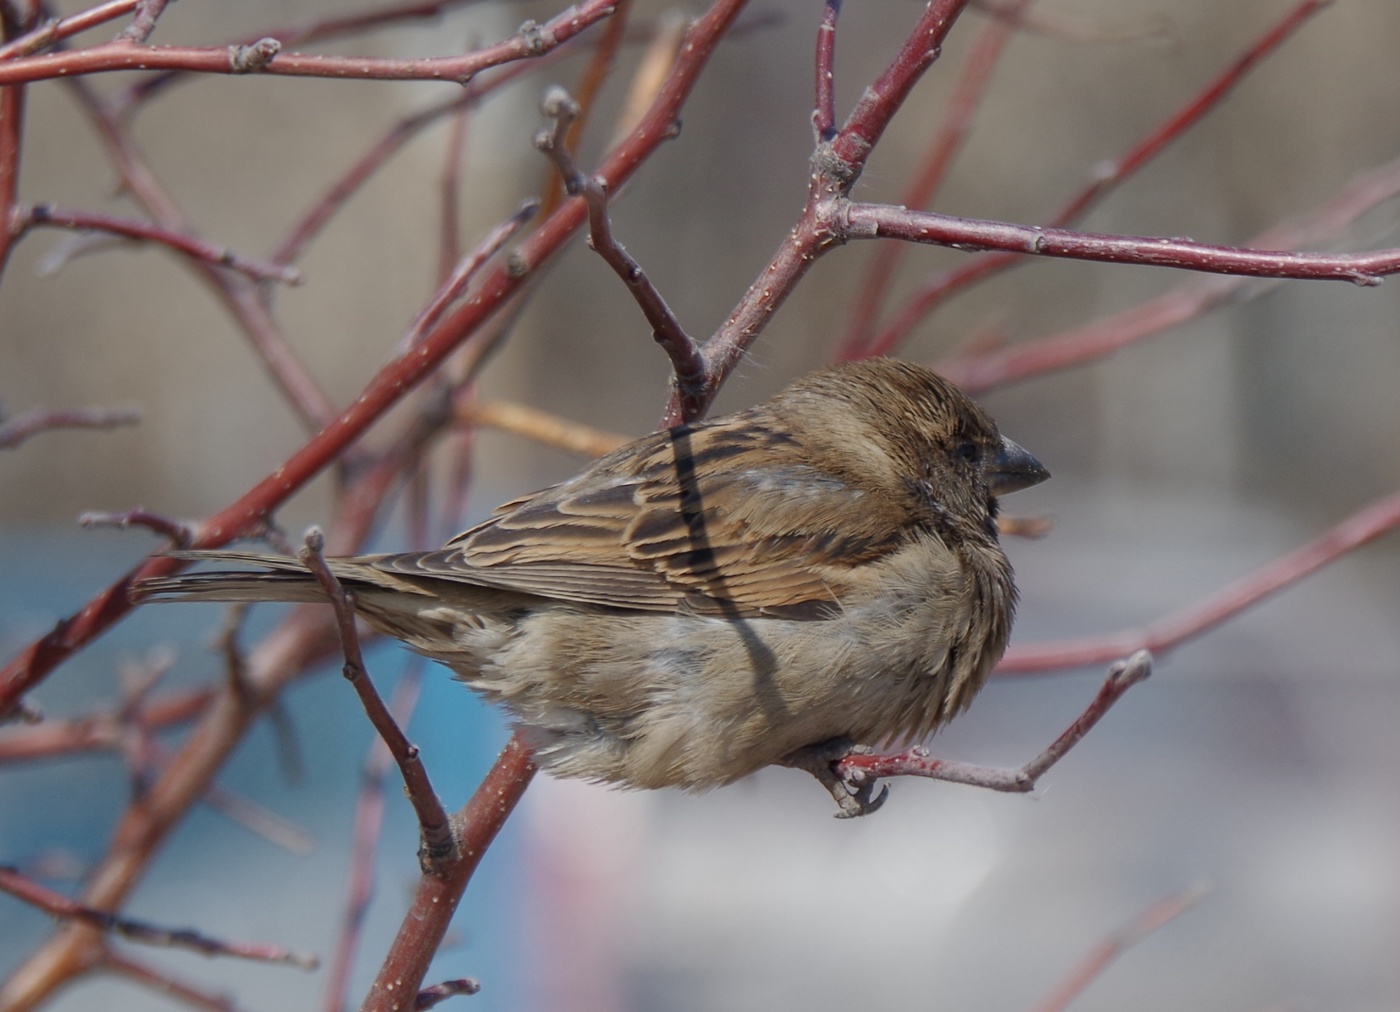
58 29
1095 340
144 23
98 731
430 997
1089 30
541 426
857 769
364 844
532 40
824 104
164 983
143 231
432 817
260 820
58 905
243 301
836 167
687 362
455 285
179 532
1155 917
591 82
31 423
884 221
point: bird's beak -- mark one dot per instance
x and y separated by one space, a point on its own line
1013 469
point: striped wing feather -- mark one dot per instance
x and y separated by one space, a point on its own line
718 519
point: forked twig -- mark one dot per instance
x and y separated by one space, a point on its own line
687 361
858 770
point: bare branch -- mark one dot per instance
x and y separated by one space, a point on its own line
142 231
61 906
687 362
164 983
244 302
859 770
58 29
978 372
943 147
836 167
1107 177
430 997
436 900
530 41
98 731
144 23
179 532
541 426
1172 630
1155 917
364 843
871 221
432 817
31 423
824 105
455 285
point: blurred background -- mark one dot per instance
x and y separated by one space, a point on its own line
1255 764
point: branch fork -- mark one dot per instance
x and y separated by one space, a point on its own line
687 360
859 771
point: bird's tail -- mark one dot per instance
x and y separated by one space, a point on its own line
279 578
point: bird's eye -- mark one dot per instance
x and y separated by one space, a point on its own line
969 451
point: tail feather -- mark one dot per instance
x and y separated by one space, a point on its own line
283 579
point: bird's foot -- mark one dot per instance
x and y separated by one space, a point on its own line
854 792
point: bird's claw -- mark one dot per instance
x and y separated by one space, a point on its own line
853 793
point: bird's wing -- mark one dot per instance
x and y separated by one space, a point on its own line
726 518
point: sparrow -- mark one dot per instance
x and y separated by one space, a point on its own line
780 585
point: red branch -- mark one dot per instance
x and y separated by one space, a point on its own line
1190 622
432 817
61 906
1107 177
53 739
958 117
31 423
437 897
364 844
824 107
61 28
244 302
531 41
11 141
144 231
979 372
836 167
871 221
1165 910
860 768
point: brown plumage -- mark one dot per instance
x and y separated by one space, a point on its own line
819 570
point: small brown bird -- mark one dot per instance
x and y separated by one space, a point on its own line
772 586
